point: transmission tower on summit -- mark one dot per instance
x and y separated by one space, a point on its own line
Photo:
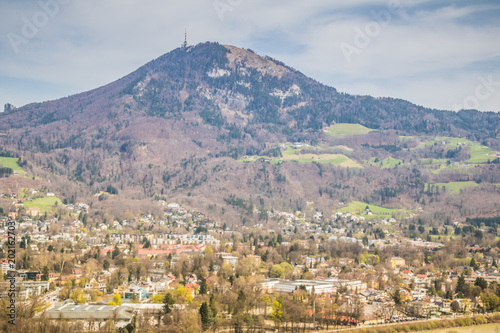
185 44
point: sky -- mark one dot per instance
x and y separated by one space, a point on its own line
438 54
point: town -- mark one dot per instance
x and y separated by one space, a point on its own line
184 271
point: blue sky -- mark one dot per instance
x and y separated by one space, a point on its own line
439 54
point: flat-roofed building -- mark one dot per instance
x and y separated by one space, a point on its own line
320 286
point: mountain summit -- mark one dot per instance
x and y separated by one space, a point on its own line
230 85
177 126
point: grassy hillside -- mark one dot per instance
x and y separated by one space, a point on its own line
347 129
337 159
45 204
387 163
315 155
357 208
11 162
455 187
290 154
478 152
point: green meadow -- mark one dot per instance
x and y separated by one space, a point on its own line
455 187
347 129
357 208
11 162
45 204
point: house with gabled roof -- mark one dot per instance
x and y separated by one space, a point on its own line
95 285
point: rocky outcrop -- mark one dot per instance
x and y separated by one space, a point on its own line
8 107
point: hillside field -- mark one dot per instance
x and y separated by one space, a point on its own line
11 162
347 129
357 208
45 204
455 187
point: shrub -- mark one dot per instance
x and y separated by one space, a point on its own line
480 320
461 322
495 318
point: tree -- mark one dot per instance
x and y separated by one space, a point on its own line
396 296
353 310
226 270
276 271
277 311
380 313
241 299
455 306
280 239
168 302
473 264
183 295
460 284
203 286
213 305
481 282
77 296
115 253
490 301
157 299
45 273
293 311
117 299
185 321
287 270
206 316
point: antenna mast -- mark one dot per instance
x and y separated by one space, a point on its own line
185 44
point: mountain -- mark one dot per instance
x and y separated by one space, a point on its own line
176 127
